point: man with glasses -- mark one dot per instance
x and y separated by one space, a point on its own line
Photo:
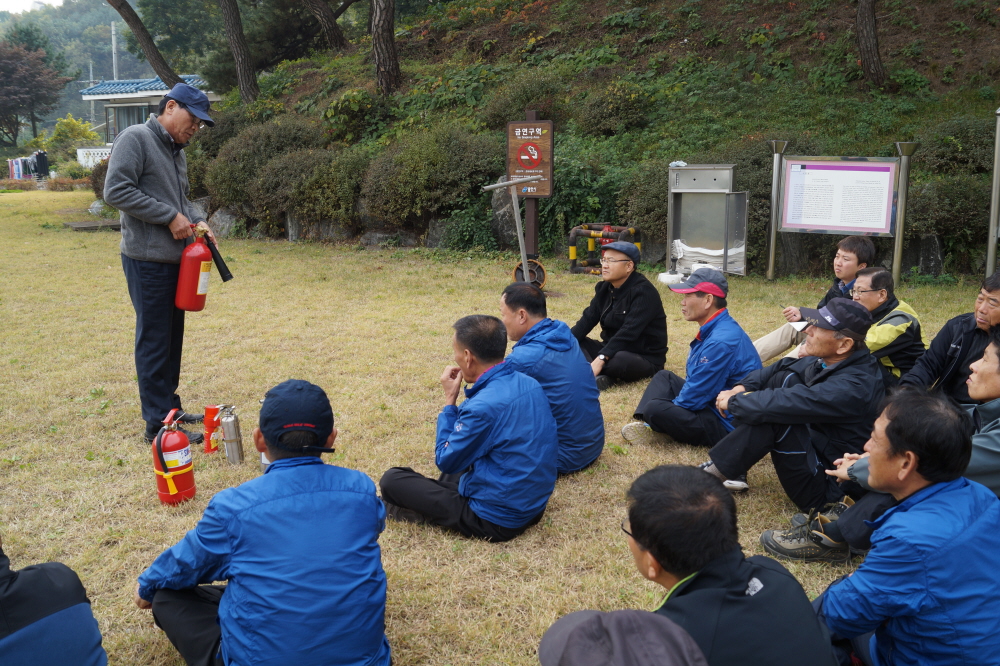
633 343
681 530
894 339
147 182
959 344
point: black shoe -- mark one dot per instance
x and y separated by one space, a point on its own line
604 382
184 417
396 512
831 512
193 437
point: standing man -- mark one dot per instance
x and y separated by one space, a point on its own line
147 182
633 342
546 351
721 355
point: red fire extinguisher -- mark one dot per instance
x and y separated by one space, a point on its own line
172 463
196 267
604 241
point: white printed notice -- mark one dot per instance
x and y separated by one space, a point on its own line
838 196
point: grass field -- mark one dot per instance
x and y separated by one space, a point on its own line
373 328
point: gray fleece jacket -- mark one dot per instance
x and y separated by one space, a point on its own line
147 182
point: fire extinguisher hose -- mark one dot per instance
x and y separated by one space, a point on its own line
167 476
224 272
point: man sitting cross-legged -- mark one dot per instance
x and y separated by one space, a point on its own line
546 351
721 355
928 587
497 451
806 412
298 546
682 532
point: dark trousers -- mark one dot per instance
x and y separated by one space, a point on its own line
798 467
438 501
623 366
843 648
159 337
190 619
853 527
700 428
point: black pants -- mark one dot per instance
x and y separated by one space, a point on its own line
798 467
843 648
190 619
623 366
159 337
856 533
701 428
438 501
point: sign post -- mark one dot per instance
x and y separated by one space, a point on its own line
906 150
991 237
529 153
778 148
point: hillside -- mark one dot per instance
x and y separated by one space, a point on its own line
630 88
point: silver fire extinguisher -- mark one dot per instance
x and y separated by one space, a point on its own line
232 437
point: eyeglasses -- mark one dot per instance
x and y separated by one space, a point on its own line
625 520
858 292
194 118
605 260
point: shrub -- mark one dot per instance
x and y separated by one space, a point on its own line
208 142
272 193
68 135
543 91
66 184
959 145
18 184
355 113
73 170
955 208
428 173
97 176
621 106
231 174
331 192
469 228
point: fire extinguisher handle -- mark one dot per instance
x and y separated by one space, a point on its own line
217 258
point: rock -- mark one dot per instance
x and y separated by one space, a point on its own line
654 253
931 262
435 233
502 222
222 222
389 238
325 230
97 207
201 206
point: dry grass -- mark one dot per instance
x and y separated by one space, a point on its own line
372 328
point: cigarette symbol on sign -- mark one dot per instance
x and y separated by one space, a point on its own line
529 156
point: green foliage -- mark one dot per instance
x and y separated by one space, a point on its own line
455 88
73 170
331 192
579 60
354 114
97 176
956 209
643 200
619 107
540 89
630 19
68 135
208 142
839 66
429 173
962 145
469 228
910 80
272 192
230 175
459 14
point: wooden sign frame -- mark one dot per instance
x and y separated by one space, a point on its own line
529 153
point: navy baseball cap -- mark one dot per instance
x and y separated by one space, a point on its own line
296 405
840 314
708 280
193 100
626 248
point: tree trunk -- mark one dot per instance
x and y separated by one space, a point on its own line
246 77
34 125
328 21
153 55
871 62
387 73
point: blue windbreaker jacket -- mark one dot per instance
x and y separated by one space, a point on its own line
299 547
929 585
721 355
504 434
550 355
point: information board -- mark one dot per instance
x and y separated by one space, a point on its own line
529 153
846 195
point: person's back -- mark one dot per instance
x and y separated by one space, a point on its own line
550 355
45 618
743 610
513 473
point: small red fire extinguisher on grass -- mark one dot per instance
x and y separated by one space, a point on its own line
196 267
172 463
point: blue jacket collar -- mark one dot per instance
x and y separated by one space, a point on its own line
916 498
298 461
498 370
713 321
554 335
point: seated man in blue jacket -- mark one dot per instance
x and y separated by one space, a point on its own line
928 587
721 355
546 351
45 617
498 451
806 412
298 547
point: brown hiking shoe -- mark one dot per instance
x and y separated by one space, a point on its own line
805 543
831 512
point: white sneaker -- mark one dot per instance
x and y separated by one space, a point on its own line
637 432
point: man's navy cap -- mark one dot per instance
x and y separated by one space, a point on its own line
195 100
626 248
840 314
708 280
296 405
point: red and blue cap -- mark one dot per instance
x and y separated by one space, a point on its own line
707 280
296 405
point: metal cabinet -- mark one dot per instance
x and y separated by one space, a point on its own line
707 218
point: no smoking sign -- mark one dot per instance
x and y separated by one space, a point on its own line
529 156
529 153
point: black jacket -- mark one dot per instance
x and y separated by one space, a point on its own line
631 319
748 612
839 403
946 362
834 292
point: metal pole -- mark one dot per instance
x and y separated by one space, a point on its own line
114 50
778 148
906 150
991 237
520 233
